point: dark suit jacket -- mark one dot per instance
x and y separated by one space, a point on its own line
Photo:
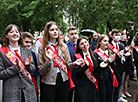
35 74
71 49
72 53
119 69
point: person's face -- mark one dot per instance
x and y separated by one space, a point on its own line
62 38
123 37
116 34
84 45
116 37
53 31
95 37
104 43
27 42
72 35
13 35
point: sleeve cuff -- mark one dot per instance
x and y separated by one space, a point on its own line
107 61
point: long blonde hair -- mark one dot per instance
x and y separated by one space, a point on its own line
46 38
101 37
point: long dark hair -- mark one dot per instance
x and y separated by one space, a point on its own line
78 50
7 30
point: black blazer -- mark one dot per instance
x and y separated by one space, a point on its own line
80 76
119 69
103 73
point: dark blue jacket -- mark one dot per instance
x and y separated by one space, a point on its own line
35 74
72 53
71 49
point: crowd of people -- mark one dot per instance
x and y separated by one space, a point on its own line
96 69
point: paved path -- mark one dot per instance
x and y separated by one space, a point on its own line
133 90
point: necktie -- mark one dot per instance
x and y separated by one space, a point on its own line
74 47
55 47
117 47
90 63
105 54
16 52
56 51
36 88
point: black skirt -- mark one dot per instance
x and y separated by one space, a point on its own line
86 93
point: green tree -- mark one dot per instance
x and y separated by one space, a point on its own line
99 15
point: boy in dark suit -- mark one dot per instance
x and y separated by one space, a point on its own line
119 70
72 35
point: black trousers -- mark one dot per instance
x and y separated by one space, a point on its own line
117 89
55 93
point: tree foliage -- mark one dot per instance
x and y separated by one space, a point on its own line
99 15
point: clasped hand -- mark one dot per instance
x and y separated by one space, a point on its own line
80 62
27 62
111 58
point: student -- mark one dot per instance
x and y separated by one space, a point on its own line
72 35
118 48
93 41
27 41
127 63
104 72
62 37
128 69
86 84
16 68
54 63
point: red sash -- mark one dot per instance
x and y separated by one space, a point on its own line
116 51
105 57
12 57
62 65
88 72
136 48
